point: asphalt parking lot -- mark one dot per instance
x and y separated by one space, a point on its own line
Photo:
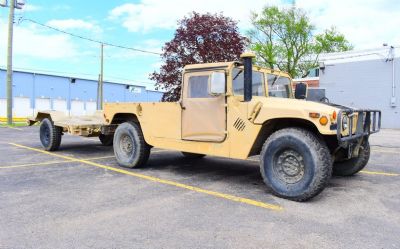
78 197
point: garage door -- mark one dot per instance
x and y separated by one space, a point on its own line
60 105
77 107
22 107
42 104
3 107
90 107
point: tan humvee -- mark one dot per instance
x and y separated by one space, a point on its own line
235 110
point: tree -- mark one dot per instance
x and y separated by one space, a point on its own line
199 38
284 39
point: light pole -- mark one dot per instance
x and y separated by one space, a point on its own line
13 4
101 80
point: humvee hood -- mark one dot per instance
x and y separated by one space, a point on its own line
275 108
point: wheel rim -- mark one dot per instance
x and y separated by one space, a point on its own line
126 145
289 166
46 134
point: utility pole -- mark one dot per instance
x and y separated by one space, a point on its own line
101 79
9 62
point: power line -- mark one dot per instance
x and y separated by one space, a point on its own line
77 75
90 39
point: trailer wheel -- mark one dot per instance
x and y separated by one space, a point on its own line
106 140
50 135
295 164
192 155
354 165
130 148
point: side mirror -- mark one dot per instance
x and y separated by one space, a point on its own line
217 83
300 91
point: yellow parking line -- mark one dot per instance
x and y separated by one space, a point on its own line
10 127
386 151
159 180
51 162
97 158
32 164
379 173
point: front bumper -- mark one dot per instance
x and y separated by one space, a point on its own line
360 123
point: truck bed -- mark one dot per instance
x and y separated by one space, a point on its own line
88 125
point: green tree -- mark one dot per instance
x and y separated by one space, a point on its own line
284 38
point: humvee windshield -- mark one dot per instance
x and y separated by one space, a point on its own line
278 86
238 81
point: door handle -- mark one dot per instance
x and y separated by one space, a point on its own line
182 107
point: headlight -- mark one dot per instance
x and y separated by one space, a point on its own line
345 122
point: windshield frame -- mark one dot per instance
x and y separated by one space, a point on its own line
241 70
265 72
279 74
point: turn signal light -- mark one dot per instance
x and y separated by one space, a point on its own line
314 115
334 115
323 120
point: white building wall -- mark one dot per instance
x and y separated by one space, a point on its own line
22 107
60 105
91 107
42 104
77 107
364 84
3 107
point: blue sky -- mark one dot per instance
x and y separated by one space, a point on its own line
148 24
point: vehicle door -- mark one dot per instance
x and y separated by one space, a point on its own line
203 114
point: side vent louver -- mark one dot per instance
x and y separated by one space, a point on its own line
239 124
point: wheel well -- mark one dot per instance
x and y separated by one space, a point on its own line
120 118
273 125
39 118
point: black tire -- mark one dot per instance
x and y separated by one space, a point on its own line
106 140
50 135
295 164
354 165
130 148
192 155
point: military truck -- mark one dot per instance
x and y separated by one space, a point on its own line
235 110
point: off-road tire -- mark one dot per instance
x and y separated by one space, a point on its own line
106 140
192 155
354 165
50 135
130 148
310 156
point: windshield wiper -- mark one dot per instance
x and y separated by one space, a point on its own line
275 79
240 71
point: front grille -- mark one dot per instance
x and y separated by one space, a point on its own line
239 124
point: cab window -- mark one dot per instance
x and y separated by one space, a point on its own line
198 87
278 86
238 82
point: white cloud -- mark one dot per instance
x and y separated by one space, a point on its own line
151 45
31 8
30 41
68 24
365 23
151 14
61 7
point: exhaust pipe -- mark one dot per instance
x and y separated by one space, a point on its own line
248 75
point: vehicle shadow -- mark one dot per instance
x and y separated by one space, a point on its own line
242 176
